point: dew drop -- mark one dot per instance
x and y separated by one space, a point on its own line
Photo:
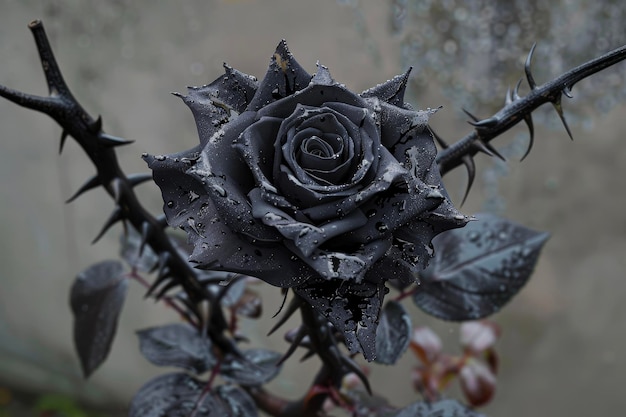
381 227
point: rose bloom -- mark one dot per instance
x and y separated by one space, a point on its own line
304 184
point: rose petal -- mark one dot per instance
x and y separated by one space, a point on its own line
322 76
352 308
349 266
306 237
314 95
215 105
391 91
216 245
283 78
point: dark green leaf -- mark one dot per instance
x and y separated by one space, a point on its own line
237 400
257 366
477 269
393 333
177 345
96 299
177 395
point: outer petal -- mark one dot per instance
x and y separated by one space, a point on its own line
216 246
283 78
215 104
391 91
353 308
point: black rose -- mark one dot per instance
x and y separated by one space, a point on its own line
304 184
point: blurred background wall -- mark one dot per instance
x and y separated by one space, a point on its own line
562 335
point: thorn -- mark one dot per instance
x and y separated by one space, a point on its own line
91 183
285 292
165 289
529 76
96 126
438 138
568 92
112 141
64 135
559 109
136 179
529 122
293 306
468 161
485 123
294 345
354 367
474 118
487 149
116 216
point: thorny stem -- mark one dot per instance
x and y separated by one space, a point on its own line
167 300
100 148
520 108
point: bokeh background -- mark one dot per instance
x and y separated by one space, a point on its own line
564 334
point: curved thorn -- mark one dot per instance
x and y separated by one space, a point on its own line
293 306
64 135
282 304
468 161
136 179
485 123
529 123
559 109
487 149
471 116
438 138
529 76
91 183
165 289
96 126
110 141
116 216
568 92
354 367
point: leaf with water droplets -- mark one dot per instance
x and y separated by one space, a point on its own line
96 299
177 345
255 367
180 395
478 269
441 408
393 333
238 401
